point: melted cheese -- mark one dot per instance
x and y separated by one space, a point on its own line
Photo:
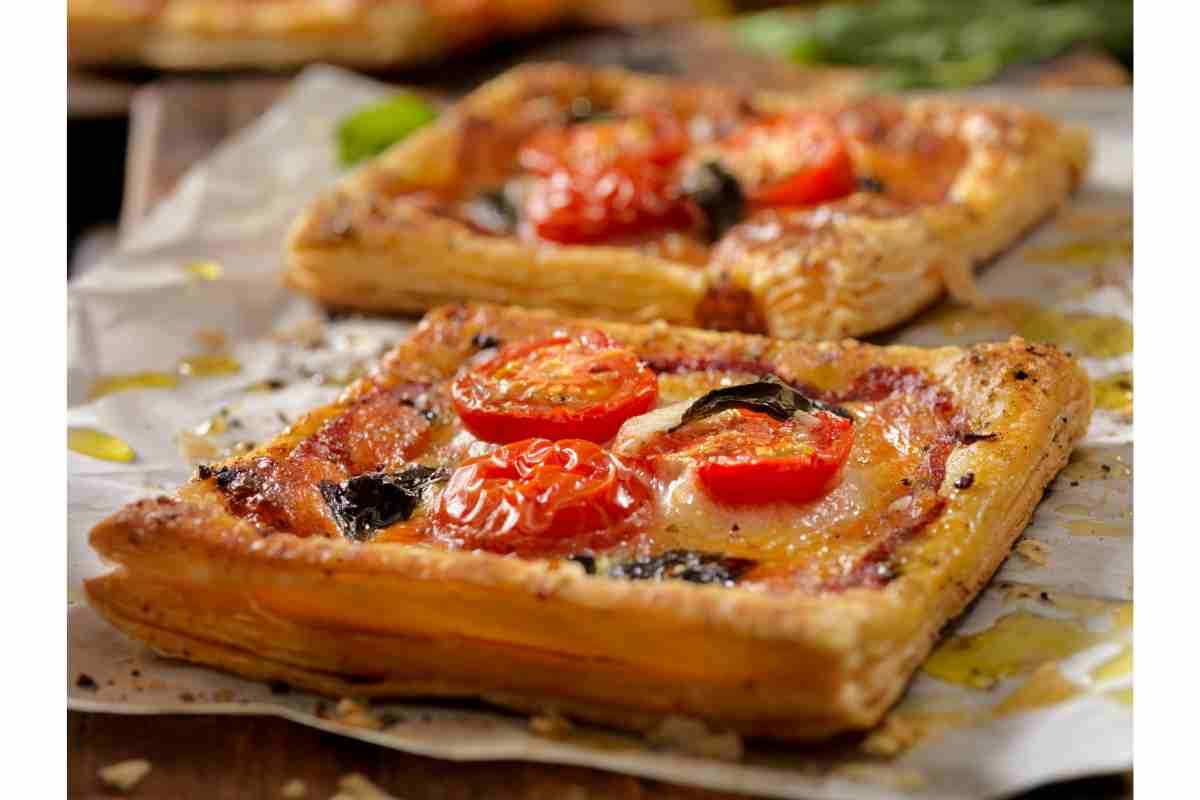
853 534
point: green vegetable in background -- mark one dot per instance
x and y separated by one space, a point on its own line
373 129
941 43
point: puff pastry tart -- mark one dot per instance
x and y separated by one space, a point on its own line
628 197
218 34
612 521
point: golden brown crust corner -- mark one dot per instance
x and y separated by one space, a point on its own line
852 270
221 34
390 620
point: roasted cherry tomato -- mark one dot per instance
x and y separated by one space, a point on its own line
625 198
567 387
537 497
655 139
607 179
794 160
745 457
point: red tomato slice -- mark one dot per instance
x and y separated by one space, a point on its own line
745 457
538 497
793 160
567 387
625 198
656 138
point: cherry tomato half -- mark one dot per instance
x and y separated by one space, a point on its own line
794 160
606 179
536 497
625 198
658 139
566 387
744 457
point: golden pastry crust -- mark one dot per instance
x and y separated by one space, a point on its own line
203 34
388 619
844 268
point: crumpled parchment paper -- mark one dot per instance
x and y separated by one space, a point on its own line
148 306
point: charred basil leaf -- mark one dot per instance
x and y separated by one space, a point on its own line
870 184
718 195
696 566
493 211
485 341
770 396
364 504
239 482
587 562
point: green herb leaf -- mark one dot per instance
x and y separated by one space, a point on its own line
769 396
940 43
719 196
373 129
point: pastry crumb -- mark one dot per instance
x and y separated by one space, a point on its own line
693 736
900 731
308 334
356 715
355 786
196 449
124 775
550 724
295 789
212 339
893 736
1034 551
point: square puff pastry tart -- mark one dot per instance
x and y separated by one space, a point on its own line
224 34
787 620
906 197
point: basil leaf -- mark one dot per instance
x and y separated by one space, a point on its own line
366 503
718 195
769 396
373 129
695 566
940 43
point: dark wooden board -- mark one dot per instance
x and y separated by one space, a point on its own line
226 757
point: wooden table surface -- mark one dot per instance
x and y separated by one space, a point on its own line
174 123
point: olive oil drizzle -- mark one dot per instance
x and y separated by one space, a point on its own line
1114 393
98 444
1082 333
124 382
1082 253
209 365
205 270
1033 646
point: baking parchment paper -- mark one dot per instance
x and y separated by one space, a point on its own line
149 305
